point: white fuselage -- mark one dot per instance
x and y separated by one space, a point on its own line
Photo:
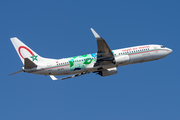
126 56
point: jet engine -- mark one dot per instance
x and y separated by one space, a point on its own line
122 59
107 72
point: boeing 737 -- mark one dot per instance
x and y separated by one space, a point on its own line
104 62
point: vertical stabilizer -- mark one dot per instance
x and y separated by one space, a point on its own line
25 52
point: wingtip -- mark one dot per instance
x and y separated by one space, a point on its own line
94 32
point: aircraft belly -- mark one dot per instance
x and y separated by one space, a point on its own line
53 71
143 57
41 72
147 56
135 58
61 70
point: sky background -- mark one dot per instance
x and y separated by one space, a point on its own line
59 29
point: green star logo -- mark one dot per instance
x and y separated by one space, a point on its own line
34 57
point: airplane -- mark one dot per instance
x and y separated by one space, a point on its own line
104 62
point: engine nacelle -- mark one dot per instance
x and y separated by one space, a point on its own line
110 71
122 59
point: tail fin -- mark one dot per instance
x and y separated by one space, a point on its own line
25 52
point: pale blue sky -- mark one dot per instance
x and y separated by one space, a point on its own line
58 29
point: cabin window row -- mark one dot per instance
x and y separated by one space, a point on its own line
132 51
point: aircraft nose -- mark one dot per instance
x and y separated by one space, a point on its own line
170 50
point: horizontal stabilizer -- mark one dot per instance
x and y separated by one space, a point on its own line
28 64
16 72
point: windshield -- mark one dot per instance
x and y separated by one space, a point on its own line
162 47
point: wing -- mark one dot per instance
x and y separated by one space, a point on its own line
104 53
76 75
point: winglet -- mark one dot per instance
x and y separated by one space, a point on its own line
53 77
95 34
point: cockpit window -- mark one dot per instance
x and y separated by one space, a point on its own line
162 47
